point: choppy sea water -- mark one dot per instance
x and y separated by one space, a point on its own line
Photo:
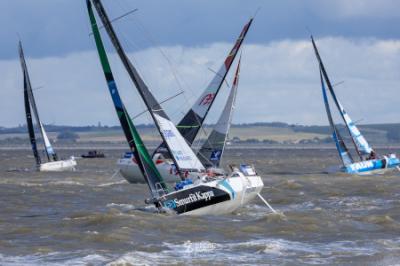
88 217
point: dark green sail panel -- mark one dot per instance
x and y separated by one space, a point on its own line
142 156
180 152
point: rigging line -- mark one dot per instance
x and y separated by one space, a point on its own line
131 56
166 100
171 66
174 71
117 18
338 83
216 73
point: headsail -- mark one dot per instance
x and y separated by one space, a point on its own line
51 155
211 151
338 105
145 162
183 156
340 145
359 139
191 123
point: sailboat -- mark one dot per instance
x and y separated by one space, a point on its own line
53 163
370 162
203 195
190 124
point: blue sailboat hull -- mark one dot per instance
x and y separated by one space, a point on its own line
371 166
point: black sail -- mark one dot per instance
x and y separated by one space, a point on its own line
183 157
149 170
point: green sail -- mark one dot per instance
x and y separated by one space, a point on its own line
142 156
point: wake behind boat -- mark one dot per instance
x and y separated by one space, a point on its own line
53 163
370 162
206 194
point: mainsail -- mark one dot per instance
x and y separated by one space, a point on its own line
51 155
29 124
191 123
340 145
182 155
211 151
361 145
143 158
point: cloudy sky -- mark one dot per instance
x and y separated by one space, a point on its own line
175 43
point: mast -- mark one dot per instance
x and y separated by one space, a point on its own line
149 170
182 155
212 150
344 153
27 83
330 87
191 123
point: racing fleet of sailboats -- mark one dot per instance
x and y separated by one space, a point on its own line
201 185
200 192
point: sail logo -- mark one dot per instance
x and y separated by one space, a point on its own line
192 198
168 133
180 156
208 99
361 166
216 155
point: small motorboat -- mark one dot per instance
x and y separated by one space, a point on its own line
93 154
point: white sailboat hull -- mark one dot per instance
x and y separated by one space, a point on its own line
131 172
246 190
217 197
58 166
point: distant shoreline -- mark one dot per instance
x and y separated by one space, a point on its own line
229 147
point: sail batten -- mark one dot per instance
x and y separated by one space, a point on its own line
182 155
142 156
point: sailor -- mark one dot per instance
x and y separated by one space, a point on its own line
372 155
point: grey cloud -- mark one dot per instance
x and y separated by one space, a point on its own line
60 27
